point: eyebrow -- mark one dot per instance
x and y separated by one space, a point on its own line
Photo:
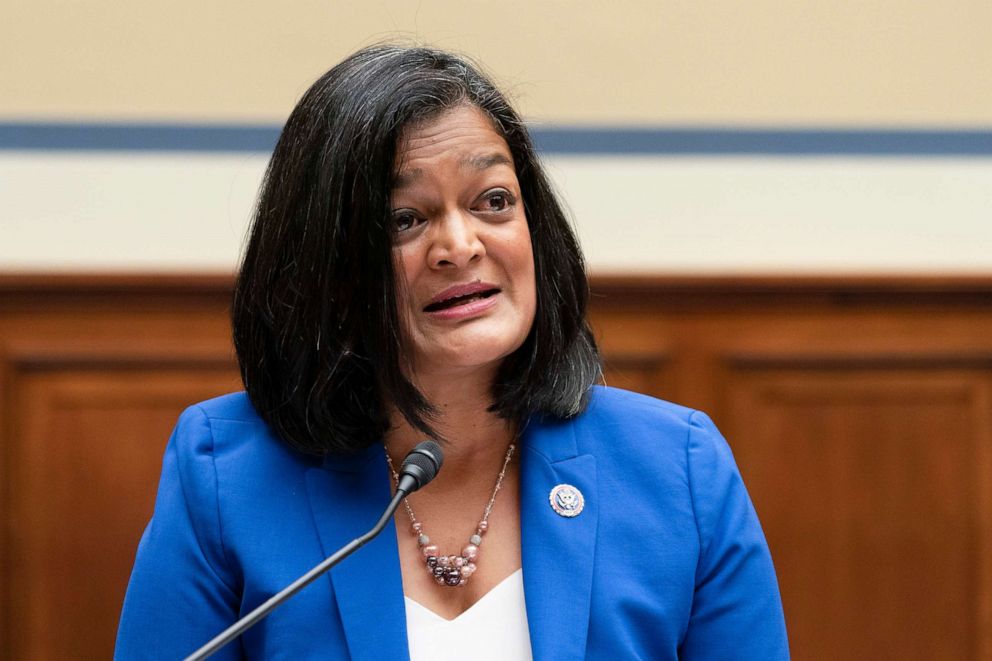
476 162
486 161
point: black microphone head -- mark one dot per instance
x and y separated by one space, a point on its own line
422 464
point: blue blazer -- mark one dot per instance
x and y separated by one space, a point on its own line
666 561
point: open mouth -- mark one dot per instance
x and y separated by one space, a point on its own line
460 300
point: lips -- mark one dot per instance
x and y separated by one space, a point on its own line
461 295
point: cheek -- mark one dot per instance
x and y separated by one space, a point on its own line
405 274
527 281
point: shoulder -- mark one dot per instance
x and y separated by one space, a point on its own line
227 430
205 427
661 444
237 477
624 421
232 407
606 403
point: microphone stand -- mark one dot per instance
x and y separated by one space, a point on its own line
261 611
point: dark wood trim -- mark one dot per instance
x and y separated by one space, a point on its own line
611 285
863 361
108 362
113 290
114 283
777 283
728 291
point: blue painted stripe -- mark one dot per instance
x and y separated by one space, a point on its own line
34 136
601 140
771 142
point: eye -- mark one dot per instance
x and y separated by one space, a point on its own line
496 201
404 219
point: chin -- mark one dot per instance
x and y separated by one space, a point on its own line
476 361
480 353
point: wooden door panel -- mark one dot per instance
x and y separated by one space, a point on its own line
872 487
85 458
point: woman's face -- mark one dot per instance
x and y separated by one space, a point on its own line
462 249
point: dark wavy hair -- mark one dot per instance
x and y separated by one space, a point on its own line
316 327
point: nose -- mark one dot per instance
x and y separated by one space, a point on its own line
455 242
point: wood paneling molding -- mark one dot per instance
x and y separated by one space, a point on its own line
14 284
859 410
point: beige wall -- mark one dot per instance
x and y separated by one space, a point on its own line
776 63
865 62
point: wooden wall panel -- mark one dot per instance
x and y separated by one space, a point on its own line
860 413
869 483
93 379
88 450
859 409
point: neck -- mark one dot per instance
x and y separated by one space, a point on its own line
476 439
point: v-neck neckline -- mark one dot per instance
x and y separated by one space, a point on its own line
514 578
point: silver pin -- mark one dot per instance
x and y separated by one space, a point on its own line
566 500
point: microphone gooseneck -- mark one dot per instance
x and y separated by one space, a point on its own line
420 466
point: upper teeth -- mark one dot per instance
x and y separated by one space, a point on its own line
458 299
455 300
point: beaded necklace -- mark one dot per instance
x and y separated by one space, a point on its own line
452 570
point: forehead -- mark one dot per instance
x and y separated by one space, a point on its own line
463 136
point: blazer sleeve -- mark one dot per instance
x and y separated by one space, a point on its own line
736 609
181 593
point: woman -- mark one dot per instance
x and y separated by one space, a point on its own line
409 274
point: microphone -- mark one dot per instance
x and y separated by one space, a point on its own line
419 467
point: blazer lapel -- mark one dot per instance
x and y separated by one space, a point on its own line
558 552
348 496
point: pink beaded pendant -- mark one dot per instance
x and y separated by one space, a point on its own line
452 570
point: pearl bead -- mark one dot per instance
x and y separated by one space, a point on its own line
417 527
429 550
483 527
423 540
466 572
443 561
475 539
470 552
459 561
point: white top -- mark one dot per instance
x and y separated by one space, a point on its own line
495 627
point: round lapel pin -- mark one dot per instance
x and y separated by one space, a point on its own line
566 500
